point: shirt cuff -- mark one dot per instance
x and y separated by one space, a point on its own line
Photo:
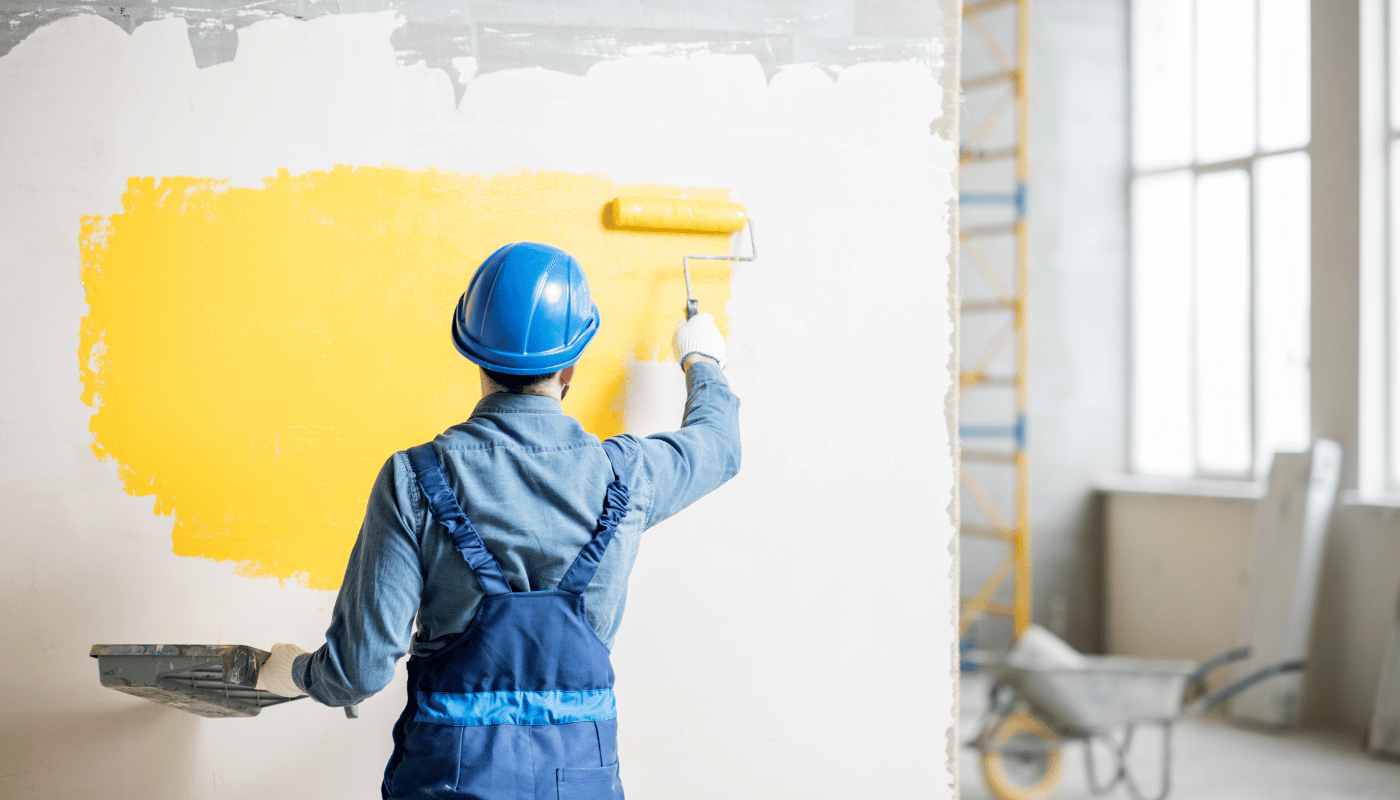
703 371
301 669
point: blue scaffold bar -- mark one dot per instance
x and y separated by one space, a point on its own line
1017 432
983 198
1018 199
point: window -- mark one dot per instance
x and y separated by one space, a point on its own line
1392 456
1219 200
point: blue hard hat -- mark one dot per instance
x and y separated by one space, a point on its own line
527 311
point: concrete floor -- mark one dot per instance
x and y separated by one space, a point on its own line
1212 760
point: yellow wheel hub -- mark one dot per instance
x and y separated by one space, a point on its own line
1022 761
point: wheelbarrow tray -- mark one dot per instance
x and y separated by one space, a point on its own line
1107 691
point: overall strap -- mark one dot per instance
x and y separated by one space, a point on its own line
614 509
447 511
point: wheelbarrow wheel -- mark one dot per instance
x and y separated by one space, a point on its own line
1022 759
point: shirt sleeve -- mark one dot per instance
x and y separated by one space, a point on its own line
685 465
372 623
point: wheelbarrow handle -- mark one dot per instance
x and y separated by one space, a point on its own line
1217 661
1200 706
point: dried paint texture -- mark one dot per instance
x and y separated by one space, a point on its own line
255 354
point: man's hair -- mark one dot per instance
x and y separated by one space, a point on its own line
516 384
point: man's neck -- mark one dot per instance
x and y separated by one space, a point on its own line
552 388
533 392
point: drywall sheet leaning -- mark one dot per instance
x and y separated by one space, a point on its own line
1383 737
147 195
1289 533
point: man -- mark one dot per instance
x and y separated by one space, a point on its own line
510 538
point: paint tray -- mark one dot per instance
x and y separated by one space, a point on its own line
204 679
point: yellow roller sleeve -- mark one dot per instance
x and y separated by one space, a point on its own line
674 214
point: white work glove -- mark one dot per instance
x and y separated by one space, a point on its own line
276 673
699 336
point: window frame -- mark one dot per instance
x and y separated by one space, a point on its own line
1196 167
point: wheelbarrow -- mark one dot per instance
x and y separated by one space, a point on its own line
1033 712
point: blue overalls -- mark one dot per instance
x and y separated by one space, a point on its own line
520 705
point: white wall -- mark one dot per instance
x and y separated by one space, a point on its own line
1175 573
1177 567
1078 317
1077 421
824 572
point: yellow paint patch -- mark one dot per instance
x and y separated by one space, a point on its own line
256 354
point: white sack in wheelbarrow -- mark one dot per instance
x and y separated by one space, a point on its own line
1041 649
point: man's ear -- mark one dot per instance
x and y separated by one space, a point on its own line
567 375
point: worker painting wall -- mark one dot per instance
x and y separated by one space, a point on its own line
228 273
186 403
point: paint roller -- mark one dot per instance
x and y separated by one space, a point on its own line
675 215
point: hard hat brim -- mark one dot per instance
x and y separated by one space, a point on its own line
518 364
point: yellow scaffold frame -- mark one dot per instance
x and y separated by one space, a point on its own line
1016 565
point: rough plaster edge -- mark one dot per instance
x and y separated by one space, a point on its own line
948 128
440 33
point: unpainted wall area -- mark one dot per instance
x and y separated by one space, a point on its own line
740 609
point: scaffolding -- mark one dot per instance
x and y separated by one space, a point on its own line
993 243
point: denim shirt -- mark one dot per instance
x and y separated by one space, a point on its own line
531 480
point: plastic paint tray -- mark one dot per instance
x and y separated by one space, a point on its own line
205 679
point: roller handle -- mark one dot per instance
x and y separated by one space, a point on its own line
691 306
